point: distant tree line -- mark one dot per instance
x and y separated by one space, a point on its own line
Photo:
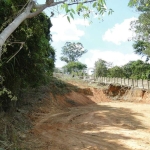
133 69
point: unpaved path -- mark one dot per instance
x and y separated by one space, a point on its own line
88 120
102 126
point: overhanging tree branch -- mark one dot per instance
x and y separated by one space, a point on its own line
33 9
82 2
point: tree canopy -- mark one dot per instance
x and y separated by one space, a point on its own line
74 67
136 69
133 69
30 9
142 30
71 52
100 68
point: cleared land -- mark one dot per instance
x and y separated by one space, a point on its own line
93 123
105 126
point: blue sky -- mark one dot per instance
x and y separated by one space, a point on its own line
107 40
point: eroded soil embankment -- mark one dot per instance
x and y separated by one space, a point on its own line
88 120
128 94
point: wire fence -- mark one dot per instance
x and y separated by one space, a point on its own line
144 84
134 83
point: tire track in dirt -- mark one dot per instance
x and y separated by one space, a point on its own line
86 124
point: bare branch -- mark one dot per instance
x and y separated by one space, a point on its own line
37 6
42 7
82 2
38 11
21 46
56 3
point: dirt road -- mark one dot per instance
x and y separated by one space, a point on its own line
103 126
87 119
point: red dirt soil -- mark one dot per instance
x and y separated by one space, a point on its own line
89 120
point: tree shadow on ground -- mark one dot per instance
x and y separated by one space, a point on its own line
87 127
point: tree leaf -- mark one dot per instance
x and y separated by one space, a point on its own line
71 15
68 18
72 10
94 4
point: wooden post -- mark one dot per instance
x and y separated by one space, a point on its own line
121 81
128 82
148 84
142 84
133 83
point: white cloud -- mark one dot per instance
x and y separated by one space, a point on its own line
120 32
117 58
62 30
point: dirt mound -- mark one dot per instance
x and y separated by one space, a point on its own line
127 93
116 90
82 97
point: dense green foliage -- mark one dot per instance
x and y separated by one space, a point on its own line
142 30
100 68
116 72
27 56
134 70
71 52
73 67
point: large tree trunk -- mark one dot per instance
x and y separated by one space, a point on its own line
25 14
11 27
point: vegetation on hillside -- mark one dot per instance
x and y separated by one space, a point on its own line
27 57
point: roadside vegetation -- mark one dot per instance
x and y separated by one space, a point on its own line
27 60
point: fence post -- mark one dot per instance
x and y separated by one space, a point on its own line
133 83
148 84
142 84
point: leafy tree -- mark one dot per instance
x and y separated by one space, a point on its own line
136 69
27 56
74 67
31 9
116 72
34 60
142 29
137 3
142 48
72 51
100 68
